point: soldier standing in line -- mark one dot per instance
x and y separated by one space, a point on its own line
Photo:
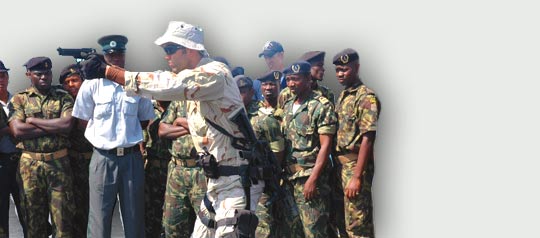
186 183
316 59
155 172
40 118
358 110
9 162
79 152
309 124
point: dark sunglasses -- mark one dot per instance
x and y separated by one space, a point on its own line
171 49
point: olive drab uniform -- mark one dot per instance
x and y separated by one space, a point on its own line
155 175
186 183
358 110
44 165
301 129
80 153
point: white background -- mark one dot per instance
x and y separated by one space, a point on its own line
456 149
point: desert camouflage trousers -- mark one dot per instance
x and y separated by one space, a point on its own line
47 187
184 193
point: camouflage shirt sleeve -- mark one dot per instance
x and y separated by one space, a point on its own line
67 105
170 113
16 109
267 127
326 118
369 113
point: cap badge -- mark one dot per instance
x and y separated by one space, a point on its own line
72 70
276 75
344 59
112 44
46 65
295 68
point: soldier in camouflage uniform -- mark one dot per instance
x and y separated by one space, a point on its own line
186 184
309 124
358 111
286 220
155 173
80 153
316 59
268 128
40 118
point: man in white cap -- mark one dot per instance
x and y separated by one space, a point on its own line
212 98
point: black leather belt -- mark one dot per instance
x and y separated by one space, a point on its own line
120 151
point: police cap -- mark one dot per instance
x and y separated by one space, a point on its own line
113 43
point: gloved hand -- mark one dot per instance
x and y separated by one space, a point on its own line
93 66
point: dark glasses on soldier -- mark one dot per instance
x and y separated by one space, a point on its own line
171 49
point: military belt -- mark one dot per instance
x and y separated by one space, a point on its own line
159 163
45 156
188 163
346 158
121 151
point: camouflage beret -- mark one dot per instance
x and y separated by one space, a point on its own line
41 63
271 76
298 67
345 56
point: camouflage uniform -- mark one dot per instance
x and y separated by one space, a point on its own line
155 176
285 95
80 153
358 110
186 184
44 166
302 129
274 221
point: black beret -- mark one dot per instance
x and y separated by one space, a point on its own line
113 43
298 67
38 64
68 71
313 56
3 67
345 56
271 76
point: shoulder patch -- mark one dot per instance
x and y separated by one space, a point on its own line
323 100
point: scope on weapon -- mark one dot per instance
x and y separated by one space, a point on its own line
79 53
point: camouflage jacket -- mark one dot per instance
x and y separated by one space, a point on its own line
285 95
182 146
156 147
266 127
358 111
301 129
30 103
